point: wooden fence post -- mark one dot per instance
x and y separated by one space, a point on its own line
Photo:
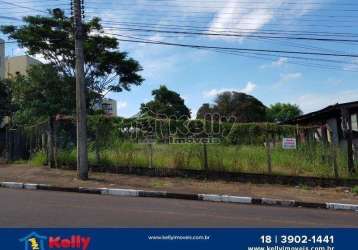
268 152
347 129
334 162
150 155
206 165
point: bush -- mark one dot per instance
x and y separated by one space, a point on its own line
38 159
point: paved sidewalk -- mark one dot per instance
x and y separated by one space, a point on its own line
25 173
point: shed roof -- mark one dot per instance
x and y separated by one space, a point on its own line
323 114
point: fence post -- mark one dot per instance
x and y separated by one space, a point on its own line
150 155
268 152
50 143
334 162
206 165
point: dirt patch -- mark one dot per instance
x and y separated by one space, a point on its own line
43 175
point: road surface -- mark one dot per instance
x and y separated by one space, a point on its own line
23 208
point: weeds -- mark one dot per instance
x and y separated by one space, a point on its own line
355 190
307 160
38 159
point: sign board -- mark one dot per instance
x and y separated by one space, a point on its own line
289 143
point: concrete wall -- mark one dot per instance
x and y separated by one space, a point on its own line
2 59
19 65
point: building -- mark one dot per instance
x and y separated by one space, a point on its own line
336 124
19 65
109 106
332 122
2 59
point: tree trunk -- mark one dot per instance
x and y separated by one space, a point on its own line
97 146
50 143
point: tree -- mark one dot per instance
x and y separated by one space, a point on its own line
166 103
42 94
5 99
281 112
205 110
106 68
240 106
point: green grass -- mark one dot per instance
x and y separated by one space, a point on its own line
355 190
307 160
38 159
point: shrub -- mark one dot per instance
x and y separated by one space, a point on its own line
38 159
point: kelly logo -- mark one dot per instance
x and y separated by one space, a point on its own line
35 241
74 242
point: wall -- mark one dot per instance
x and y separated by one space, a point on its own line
18 65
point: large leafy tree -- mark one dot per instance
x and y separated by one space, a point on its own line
166 103
205 111
106 68
234 105
42 94
281 112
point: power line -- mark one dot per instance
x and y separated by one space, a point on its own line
241 49
247 34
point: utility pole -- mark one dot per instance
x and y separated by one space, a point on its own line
81 113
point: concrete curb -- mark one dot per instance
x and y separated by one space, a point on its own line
183 196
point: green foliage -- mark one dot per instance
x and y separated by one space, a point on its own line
205 111
5 99
106 68
166 104
234 107
229 133
39 159
355 190
281 112
67 157
307 160
42 93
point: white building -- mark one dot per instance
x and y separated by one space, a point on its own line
109 106
2 59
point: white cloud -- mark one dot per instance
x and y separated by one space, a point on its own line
276 64
352 66
313 101
290 76
287 77
248 89
121 105
245 18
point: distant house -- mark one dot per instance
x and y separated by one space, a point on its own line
336 124
109 106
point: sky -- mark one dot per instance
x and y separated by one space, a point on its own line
200 74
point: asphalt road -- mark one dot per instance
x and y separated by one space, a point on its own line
22 208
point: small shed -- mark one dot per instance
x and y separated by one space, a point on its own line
336 124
